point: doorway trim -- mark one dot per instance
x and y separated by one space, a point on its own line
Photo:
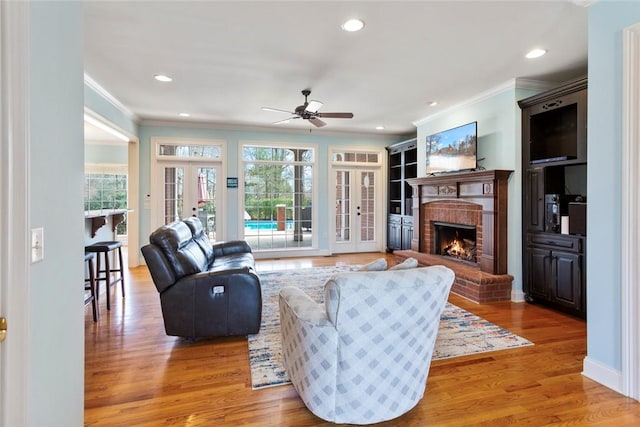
14 204
153 201
630 250
133 187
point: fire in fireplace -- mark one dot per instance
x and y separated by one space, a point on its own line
455 240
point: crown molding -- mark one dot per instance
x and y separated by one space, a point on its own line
511 84
110 98
583 3
193 124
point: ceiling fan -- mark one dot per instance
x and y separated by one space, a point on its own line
309 111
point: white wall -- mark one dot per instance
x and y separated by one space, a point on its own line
56 309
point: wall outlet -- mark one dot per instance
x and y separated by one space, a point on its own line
37 244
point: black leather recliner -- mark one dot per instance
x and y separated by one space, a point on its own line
206 290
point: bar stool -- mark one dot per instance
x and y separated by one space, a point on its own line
104 274
90 285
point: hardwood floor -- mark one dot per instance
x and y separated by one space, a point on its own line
136 375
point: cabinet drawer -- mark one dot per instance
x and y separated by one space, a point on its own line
559 242
394 219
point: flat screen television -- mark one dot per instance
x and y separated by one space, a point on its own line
452 150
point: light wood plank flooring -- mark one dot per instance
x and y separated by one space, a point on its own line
135 375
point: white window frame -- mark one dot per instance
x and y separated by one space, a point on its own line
314 194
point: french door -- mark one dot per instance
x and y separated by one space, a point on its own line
356 225
191 189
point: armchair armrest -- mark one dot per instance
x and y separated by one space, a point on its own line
309 345
298 304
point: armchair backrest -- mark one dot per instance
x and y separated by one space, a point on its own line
387 324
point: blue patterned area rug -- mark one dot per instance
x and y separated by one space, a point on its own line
461 333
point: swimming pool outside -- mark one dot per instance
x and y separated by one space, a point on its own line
266 225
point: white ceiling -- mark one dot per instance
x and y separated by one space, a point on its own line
230 58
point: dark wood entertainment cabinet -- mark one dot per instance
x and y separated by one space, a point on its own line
403 165
554 165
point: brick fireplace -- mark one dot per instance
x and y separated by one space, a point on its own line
470 201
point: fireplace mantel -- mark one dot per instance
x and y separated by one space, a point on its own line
479 194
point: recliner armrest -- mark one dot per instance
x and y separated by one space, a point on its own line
159 267
230 247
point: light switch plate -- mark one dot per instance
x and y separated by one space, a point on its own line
37 244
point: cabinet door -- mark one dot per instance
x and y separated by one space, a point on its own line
407 235
533 208
538 273
394 234
566 287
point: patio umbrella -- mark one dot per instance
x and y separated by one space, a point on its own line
202 189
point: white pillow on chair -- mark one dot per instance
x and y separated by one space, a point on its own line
378 265
407 263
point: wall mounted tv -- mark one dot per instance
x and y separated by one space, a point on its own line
452 150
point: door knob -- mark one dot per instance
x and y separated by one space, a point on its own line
3 328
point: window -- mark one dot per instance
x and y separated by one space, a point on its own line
278 184
106 188
353 157
191 151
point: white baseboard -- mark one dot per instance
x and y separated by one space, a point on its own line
517 296
602 374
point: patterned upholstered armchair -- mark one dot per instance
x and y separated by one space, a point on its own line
363 356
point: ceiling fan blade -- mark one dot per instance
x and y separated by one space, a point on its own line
336 115
281 122
313 106
317 122
275 110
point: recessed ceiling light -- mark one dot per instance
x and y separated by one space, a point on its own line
353 24
162 78
433 103
379 127
184 114
535 53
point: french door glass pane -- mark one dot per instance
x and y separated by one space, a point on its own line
207 200
173 193
367 206
343 206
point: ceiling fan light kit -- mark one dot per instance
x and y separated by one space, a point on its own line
308 111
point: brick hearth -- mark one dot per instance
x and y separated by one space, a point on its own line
471 282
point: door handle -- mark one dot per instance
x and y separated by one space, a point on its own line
3 328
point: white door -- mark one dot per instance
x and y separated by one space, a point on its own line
356 225
191 190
